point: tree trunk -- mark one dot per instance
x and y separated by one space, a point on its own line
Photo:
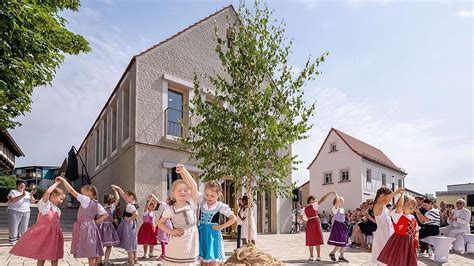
249 211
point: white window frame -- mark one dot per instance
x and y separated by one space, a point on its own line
126 79
368 175
324 178
104 136
97 147
384 178
341 174
114 103
400 183
179 85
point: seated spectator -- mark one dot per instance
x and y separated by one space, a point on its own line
324 222
458 220
430 221
443 214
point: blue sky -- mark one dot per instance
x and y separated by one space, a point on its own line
399 76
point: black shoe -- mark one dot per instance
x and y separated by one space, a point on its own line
343 259
332 256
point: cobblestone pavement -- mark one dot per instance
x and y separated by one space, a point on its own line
288 248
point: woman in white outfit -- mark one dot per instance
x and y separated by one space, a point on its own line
243 214
382 218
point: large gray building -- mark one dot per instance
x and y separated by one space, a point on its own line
134 141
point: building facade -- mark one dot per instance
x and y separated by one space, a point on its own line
455 192
134 143
352 168
41 176
9 150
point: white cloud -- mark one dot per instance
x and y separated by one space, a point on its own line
428 157
466 13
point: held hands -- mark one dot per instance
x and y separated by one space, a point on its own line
400 190
114 187
59 179
177 232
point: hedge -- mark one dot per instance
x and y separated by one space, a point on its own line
5 190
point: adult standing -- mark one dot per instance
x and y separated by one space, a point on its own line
19 201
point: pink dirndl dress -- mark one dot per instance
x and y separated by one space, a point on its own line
86 241
44 240
108 234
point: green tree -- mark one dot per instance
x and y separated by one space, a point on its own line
257 109
33 42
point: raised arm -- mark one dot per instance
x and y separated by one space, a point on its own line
423 219
68 186
117 197
119 190
338 202
50 189
188 178
32 196
378 206
323 198
400 203
155 198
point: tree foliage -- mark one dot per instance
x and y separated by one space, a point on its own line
256 111
33 42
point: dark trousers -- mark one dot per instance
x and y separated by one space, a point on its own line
239 235
426 231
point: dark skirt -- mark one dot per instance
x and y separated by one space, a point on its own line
426 231
399 250
367 228
338 236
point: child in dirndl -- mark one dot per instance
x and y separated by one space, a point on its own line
147 231
107 230
127 230
211 243
400 248
86 241
183 247
44 240
338 236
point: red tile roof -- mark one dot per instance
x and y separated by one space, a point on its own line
365 150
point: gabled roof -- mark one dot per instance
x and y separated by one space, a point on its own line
364 150
133 59
8 140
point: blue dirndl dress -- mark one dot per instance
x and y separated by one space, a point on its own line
211 243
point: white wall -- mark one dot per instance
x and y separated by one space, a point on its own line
370 188
336 161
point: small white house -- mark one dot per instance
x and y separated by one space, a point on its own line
352 168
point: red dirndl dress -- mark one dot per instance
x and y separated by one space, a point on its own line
401 246
314 233
147 232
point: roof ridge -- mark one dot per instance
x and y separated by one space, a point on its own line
186 29
360 141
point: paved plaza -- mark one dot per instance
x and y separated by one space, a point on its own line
288 248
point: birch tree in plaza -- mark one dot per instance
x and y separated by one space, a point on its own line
255 111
